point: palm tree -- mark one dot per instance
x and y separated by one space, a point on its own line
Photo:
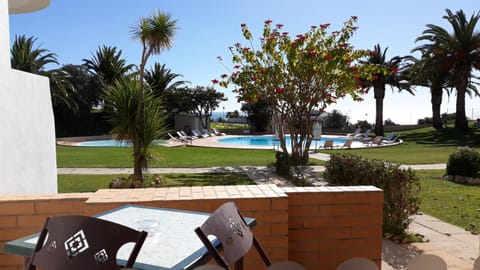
121 101
461 51
156 34
432 72
161 79
25 57
107 63
394 76
29 59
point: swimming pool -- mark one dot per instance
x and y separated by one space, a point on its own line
269 140
103 143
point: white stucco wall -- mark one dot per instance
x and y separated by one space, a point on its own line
27 132
27 136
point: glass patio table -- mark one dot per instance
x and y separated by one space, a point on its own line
171 242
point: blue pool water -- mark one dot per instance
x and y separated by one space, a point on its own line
269 140
104 143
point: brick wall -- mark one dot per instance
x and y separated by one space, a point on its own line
317 227
328 225
24 215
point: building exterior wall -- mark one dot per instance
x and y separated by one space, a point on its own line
27 141
190 120
317 227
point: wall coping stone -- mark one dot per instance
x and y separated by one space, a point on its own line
186 193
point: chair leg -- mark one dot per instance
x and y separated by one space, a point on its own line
239 264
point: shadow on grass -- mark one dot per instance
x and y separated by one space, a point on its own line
207 179
446 137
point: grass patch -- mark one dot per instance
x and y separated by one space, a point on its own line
169 157
227 125
451 202
421 146
174 157
68 183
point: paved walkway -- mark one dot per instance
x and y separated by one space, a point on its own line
457 247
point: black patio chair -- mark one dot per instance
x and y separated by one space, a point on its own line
228 225
83 242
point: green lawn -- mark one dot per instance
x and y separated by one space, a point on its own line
169 157
421 146
453 203
90 183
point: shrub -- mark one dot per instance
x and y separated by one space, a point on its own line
464 162
400 187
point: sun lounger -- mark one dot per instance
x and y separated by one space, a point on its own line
173 138
197 134
356 132
217 133
375 141
188 136
183 137
393 140
347 144
205 131
362 136
328 144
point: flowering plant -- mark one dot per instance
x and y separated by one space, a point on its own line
299 77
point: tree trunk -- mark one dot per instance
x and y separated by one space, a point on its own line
436 100
138 147
461 86
379 92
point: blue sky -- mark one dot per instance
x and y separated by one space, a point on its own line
73 29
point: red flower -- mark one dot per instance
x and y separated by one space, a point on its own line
375 77
224 76
238 44
355 27
300 37
354 17
325 25
214 81
243 25
313 53
236 66
313 26
354 69
268 21
328 57
394 69
279 90
373 53
279 25
285 33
